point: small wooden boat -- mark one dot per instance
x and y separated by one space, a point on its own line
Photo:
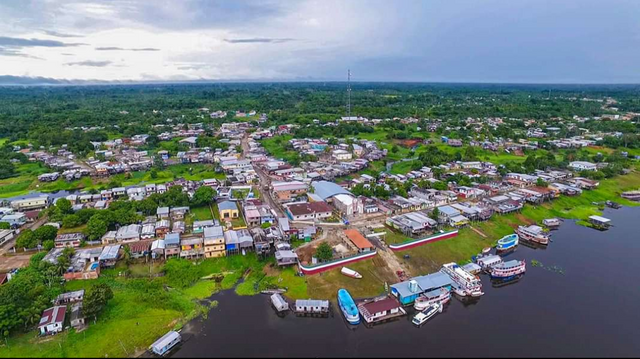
486 250
427 314
350 273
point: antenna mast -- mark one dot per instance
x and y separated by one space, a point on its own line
349 94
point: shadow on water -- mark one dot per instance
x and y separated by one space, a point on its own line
579 300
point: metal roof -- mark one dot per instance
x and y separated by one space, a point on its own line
326 189
109 252
161 343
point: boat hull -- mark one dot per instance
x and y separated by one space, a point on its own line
544 240
348 307
507 243
423 303
500 272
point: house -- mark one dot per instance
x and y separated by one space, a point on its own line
309 211
15 220
172 245
285 191
52 320
214 244
6 235
347 204
109 255
358 240
380 309
237 240
139 249
178 213
583 166
69 240
76 319
228 210
130 233
341 155
163 212
148 231
30 203
157 248
199 226
70 297
286 257
458 221
191 247
162 228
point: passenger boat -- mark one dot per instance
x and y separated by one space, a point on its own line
350 273
467 283
427 314
552 223
507 242
533 234
348 307
436 296
508 269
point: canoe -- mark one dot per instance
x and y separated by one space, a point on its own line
350 273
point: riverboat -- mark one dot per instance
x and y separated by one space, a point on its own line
508 270
350 273
467 284
437 296
533 234
507 243
348 307
427 314
552 223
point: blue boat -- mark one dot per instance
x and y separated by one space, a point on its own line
507 242
348 307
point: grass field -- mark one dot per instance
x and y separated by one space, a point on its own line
275 146
201 213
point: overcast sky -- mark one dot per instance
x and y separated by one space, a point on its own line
537 41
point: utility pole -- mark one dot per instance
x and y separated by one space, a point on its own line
349 94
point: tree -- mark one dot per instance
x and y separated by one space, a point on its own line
203 195
541 183
71 221
96 228
45 233
265 225
48 245
26 239
4 225
324 252
435 214
96 299
7 169
64 205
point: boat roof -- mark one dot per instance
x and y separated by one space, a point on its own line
600 219
165 340
511 263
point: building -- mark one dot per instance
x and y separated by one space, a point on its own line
163 212
228 210
285 191
238 240
309 211
286 258
130 233
69 240
358 240
583 166
76 319
30 203
408 291
52 320
172 245
139 249
15 220
380 309
6 235
70 297
327 190
199 226
214 244
347 204
191 247
109 256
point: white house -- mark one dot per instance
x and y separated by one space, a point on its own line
52 320
583 166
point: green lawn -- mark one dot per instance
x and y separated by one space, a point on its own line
202 213
275 146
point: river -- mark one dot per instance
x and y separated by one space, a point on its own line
584 301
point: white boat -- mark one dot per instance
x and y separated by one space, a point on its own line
437 296
533 234
508 270
350 273
464 283
427 314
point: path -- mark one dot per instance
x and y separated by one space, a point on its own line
478 231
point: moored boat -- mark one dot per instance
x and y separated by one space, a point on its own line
507 242
437 296
486 250
427 314
348 307
508 269
533 234
350 273
464 283
552 223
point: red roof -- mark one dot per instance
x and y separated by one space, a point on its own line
138 247
3 278
381 305
53 315
32 214
309 207
357 239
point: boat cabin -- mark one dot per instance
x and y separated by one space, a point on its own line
600 222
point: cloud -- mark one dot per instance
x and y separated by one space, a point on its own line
90 63
16 53
113 48
17 42
258 40
59 34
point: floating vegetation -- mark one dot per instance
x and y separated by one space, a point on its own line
535 263
556 269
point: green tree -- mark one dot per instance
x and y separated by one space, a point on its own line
4 225
203 195
96 299
45 233
64 205
265 225
324 252
48 245
71 221
541 183
435 214
96 228
26 239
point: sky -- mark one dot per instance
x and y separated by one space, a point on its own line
505 41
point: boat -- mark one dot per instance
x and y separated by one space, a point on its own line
467 283
350 273
552 223
167 342
507 242
486 250
488 262
427 314
279 303
508 270
348 307
436 296
612 204
533 234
